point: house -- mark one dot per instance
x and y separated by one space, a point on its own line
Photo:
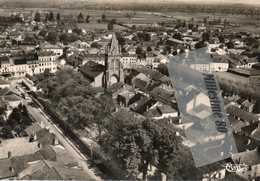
4 84
160 112
58 154
28 45
248 106
143 105
236 124
251 160
33 63
47 60
118 88
94 73
5 51
219 64
57 50
214 171
164 96
242 114
6 169
12 101
5 63
128 60
43 169
244 143
18 147
127 98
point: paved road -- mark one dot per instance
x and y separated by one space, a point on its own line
40 116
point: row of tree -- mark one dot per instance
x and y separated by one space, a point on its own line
80 18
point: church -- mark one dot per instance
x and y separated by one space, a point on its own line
105 75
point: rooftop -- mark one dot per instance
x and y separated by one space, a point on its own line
92 69
6 169
4 82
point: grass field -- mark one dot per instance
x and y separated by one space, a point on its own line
247 23
97 26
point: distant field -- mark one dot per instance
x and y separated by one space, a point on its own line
251 29
241 19
251 24
97 26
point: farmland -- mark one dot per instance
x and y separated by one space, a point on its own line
139 18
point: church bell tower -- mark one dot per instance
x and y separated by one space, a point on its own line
113 68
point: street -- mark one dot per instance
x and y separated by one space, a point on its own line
41 117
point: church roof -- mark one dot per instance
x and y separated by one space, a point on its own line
91 70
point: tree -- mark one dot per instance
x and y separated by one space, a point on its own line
103 17
221 39
47 17
110 25
52 37
35 28
230 45
51 16
140 143
37 17
200 44
139 50
190 26
177 36
120 38
205 20
58 17
80 18
95 45
87 18
205 37
163 69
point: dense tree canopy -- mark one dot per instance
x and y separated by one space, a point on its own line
138 144
37 17
75 99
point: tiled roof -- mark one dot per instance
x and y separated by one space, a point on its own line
249 157
91 69
245 115
6 169
4 82
19 149
56 154
48 170
45 137
244 143
12 98
21 162
33 128
4 91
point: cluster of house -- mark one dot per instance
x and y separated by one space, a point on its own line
30 62
134 83
10 98
37 156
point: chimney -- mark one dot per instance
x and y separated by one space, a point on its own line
11 169
248 141
9 154
39 145
55 141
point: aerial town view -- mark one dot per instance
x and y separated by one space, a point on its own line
135 90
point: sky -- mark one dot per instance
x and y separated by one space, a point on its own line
191 1
249 2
